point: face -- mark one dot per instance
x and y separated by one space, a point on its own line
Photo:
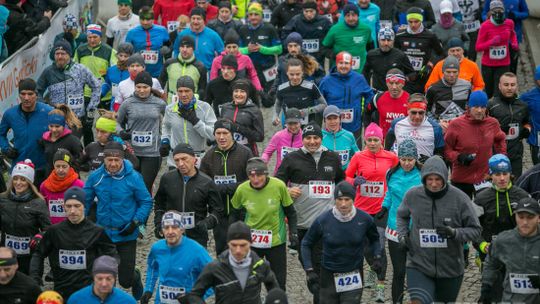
239 97
451 76
239 249
186 52
93 40
102 136
351 19
61 58
364 3
257 180
416 116
293 127
309 13
61 168
202 4
231 49
294 48
434 183
173 234
185 163
143 90
56 130
508 86
146 23
122 57
456 52
295 75
414 24
501 179
407 163
28 100
386 44
74 210
478 113
196 23
103 283
344 67
344 205
113 164
527 223
332 123
224 138
254 19
184 94
123 9
373 144
224 13
395 88
135 69
7 273
228 72
312 143
20 184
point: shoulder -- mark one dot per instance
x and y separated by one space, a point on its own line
284 85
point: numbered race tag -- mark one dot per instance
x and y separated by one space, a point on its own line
150 56
329 17
471 26
355 62
481 185
261 238
372 189
385 24
168 295
513 131
286 150
347 281
310 45
172 26
239 138
18 243
188 219
343 156
76 102
321 189
72 259
56 208
225 179
520 283
347 115
430 239
141 138
416 62
267 15
391 234
270 74
497 52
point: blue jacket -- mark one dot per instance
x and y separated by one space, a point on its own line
532 98
370 16
343 143
350 91
112 79
26 132
178 266
521 12
399 182
87 296
158 37
208 45
120 199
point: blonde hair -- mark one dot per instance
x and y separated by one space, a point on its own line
107 114
72 120
10 188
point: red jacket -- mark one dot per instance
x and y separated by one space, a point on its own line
465 135
389 108
373 168
170 10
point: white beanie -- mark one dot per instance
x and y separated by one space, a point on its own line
446 7
25 169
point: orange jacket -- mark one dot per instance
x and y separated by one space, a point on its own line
468 70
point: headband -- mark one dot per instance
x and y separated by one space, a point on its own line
416 16
172 219
8 261
106 124
56 119
418 105
395 78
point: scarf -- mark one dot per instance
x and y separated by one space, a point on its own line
245 263
55 183
23 197
343 218
447 20
420 29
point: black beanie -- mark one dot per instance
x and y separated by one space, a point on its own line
230 61
183 148
144 77
344 188
62 154
276 296
27 84
257 165
309 4
135 58
231 37
185 82
222 124
239 231
62 44
199 11
114 149
76 193
241 84
223 4
187 40
312 128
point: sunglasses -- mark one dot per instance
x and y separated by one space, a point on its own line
417 112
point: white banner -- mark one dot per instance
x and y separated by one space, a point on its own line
33 58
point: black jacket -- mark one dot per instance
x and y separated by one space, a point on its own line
284 12
222 28
220 276
22 28
219 92
92 156
299 167
378 63
248 117
20 290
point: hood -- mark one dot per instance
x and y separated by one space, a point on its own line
434 165
4 14
47 135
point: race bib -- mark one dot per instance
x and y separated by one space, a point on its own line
225 179
141 138
321 189
270 74
72 259
76 102
481 185
347 115
239 138
56 208
188 219
520 283
471 26
261 238
391 234
372 189
267 15
416 62
310 45
114 89
150 56
343 156
355 62
513 131
18 243
168 295
172 26
430 239
385 24
347 281
497 52
286 150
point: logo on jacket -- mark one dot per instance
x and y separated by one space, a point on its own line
358 39
328 169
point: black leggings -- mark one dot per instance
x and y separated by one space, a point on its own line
471 53
427 290
126 269
149 168
328 294
316 257
399 261
491 77
277 257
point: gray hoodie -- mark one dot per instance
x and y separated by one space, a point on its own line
449 207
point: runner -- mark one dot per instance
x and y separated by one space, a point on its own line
370 15
116 73
284 12
448 27
224 21
531 99
336 138
472 18
118 26
15 285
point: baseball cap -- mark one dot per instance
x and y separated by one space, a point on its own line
527 204
293 115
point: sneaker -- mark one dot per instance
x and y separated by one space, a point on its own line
137 287
49 277
370 279
379 293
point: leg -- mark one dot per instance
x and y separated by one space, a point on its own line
447 290
220 235
277 256
399 261
534 154
472 51
328 292
126 269
316 256
149 168
517 166
421 288
88 134
24 263
487 75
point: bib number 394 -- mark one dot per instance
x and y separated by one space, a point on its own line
347 281
261 238
520 283
169 295
72 259
321 189
430 239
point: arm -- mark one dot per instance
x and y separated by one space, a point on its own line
483 42
216 206
160 203
470 229
90 195
257 132
143 200
152 272
205 281
205 126
105 246
499 144
493 266
320 104
289 210
450 140
313 235
373 237
106 85
38 257
122 118
271 50
403 217
271 147
4 129
523 10
95 85
252 74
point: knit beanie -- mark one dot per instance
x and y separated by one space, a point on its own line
231 37
255 8
415 13
241 84
450 62
230 61
496 4
187 40
407 148
309 4
105 264
135 58
113 149
350 8
27 84
183 148
25 169
455 42
499 163
223 124
312 128
276 296
386 33
224 4
185 82
373 130
126 48
94 29
294 37
239 231
344 188
70 22
198 11
75 193
256 165
144 77
126 2
62 154
478 99
63 45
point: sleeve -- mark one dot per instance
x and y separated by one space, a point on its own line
477 80
271 147
523 10
152 272
282 172
90 194
122 117
499 142
36 263
403 217
450 140
237 199
160 202
350 173
439 137
217 207
387 202
95 85
252 73
143 199
328 40
42 84
493 266
390 136
43 216
205 281
105 245
164 76
106 85
373 237
157 12
313 235
109 33
205 126
36 28
513 41
470 229
256 133
482 42
270 281
215 68
166 126
4 129
434 76
319 101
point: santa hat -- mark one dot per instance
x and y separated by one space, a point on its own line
25 169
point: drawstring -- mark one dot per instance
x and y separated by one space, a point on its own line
507 201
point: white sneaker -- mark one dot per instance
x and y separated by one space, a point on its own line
371 278
379 294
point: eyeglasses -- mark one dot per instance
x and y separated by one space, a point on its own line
417 112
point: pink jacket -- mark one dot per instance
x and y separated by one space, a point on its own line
245 69
55 201
280 140
493 40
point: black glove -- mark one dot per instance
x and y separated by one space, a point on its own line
381 213
164 50
512 15
535 280
293 241
404 243
125 135
446 232
145 299
129 228
182 299
191 116
12 152
485 295
68 36
525 132
157 232
422 159
377 264
201 226
466 159
312 282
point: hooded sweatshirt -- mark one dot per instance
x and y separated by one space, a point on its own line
282 143
246 69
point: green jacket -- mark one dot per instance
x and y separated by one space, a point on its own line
97 60
341 37
174 68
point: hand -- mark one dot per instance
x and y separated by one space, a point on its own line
157 232
359 180
48 14
466 159
165 147
485 295
446 232
11 153
295 192
128 229
377 264
275 122
34 242
381 213
145 299
254 47
496 39
535 280
404 243
511 15
125 135
293 241
164 50
312 282
182 298
422 159
191 116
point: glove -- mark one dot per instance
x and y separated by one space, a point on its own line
422 159
511 15
485 295
466 159
191 116
484 247
201 226
11 153
293 241
182 299
496 39
165 148
129 228
34 242
312 282
157 232
535 280
446 232
145 299
404 243
377 264
235 127
359 181
381 213
164 50
125 135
